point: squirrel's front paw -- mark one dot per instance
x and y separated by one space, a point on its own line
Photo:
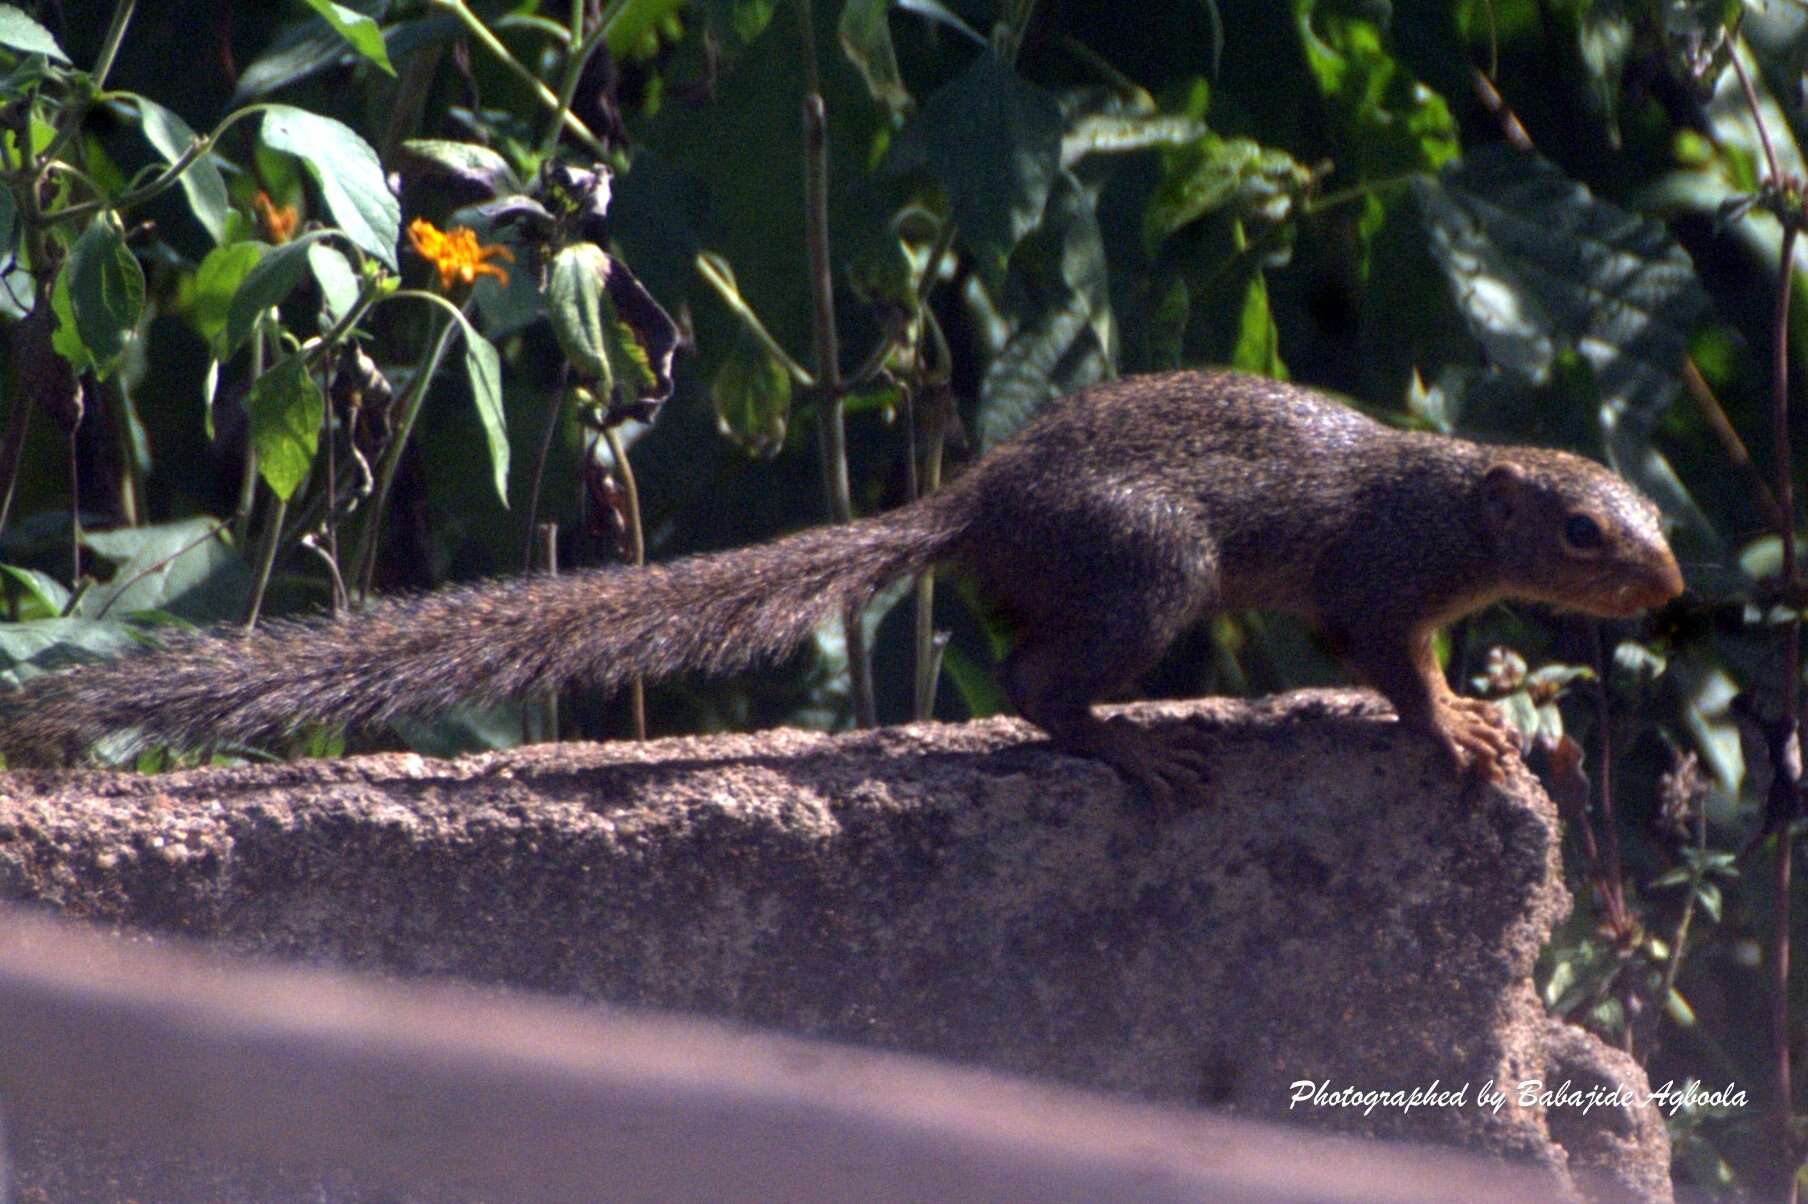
1475 738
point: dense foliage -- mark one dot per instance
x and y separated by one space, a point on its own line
885 234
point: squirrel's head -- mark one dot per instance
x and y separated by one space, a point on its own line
1569 532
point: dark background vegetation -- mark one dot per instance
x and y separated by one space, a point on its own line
1509 218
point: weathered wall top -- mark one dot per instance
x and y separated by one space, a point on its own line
1338 911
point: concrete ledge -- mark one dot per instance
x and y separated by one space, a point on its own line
1336 912
255 1083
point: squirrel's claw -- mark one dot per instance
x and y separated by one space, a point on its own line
1474 737
1173 774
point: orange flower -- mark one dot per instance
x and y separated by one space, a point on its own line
457 254
279 220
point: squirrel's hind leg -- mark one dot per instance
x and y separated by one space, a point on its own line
1124 601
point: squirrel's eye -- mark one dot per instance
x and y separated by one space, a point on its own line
1582 532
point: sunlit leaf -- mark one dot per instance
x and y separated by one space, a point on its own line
357 29
20 32
347 172
286 411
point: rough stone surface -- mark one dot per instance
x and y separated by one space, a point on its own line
1337 911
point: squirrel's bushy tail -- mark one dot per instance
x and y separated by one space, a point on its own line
485 643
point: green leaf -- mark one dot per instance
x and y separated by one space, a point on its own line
66 339
1236 175
106 291
20 32
202 182
187 568
574 304
866 40
347 172
338 283
1258 345
1708 895
45 597
1604 39
752 395
633 20
1058 302
1389 124
1121 133
42 645
1543 272
995 142
216 283
357 29
934 10
265 284
483 368
286 412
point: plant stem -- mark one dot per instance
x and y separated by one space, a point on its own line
637 547
241 517
1783 1130
576 59
830 418
109 47
75 114
547 548
412 399
928 654
266 558
1730 442
545 95
1614 899
1680 939
553 412
18 423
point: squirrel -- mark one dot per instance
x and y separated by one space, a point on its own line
1111 522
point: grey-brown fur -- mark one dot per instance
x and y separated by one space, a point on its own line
1106 527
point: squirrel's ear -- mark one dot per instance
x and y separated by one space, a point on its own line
1503 494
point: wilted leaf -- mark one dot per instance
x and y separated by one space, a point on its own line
752 395
466 172
1118 133
611 329
645 333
